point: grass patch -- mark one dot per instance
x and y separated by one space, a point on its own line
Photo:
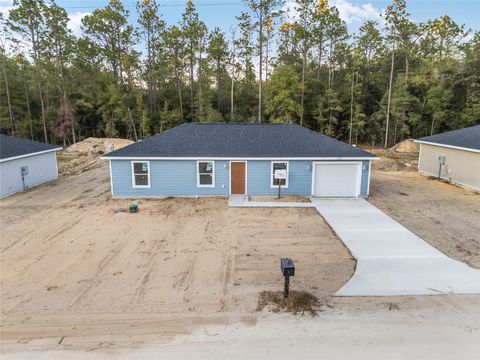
298 303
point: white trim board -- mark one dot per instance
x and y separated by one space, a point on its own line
111 177
447 146
133 175
212 185
272 185
31 154
237 158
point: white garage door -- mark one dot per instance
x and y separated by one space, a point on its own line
337 179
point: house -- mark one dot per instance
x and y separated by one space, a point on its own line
25 163
453 156
196 159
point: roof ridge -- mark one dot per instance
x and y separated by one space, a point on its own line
237 123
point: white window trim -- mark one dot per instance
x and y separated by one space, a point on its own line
198 174
133 175
272 185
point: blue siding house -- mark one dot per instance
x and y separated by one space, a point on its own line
196 159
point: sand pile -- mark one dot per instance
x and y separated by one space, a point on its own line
405 146
86 154
98 145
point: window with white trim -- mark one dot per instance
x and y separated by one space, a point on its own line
279 165
141 174
205 173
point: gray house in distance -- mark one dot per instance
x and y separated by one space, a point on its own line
452 156
197 159
25 163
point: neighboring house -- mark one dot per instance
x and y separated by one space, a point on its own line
197 159
25 163
454 156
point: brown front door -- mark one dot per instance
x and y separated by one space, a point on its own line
237 174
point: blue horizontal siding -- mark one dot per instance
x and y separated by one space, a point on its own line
168 178
299 178
179 178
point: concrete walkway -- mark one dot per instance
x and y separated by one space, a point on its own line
391 260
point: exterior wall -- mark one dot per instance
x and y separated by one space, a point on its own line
179 178
168 178
461 167
41 168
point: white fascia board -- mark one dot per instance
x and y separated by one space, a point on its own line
447 146
31 154
233 158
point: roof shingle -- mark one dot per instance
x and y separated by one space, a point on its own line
239 141
467 138
11 146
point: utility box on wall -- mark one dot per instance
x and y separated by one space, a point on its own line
441 159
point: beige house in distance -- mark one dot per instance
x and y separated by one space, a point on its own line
453 156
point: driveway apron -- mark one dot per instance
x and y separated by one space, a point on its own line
391 260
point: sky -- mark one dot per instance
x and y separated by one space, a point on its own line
221 13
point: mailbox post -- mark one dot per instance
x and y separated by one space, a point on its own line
288 269
280 174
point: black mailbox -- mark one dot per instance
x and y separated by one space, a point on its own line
287 266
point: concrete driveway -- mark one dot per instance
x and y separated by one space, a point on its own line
391 260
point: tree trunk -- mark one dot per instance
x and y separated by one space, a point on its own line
351 109
302 95
9 103
320 47
218 85
404 105
179 91
387 122
231 100
42 105
200 103
28 109
265 92
133 125
192 115
260 65
39 82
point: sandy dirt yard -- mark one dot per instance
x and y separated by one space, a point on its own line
445 215
74 264
81 278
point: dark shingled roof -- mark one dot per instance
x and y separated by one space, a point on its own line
466 138
12 146
239 141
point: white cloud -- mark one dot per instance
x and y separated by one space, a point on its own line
352 13
75 22
349 12
5 9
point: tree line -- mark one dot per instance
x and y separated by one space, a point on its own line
385 83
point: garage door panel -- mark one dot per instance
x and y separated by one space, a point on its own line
337 180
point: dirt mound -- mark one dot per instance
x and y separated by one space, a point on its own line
86 154
98 145
405 146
